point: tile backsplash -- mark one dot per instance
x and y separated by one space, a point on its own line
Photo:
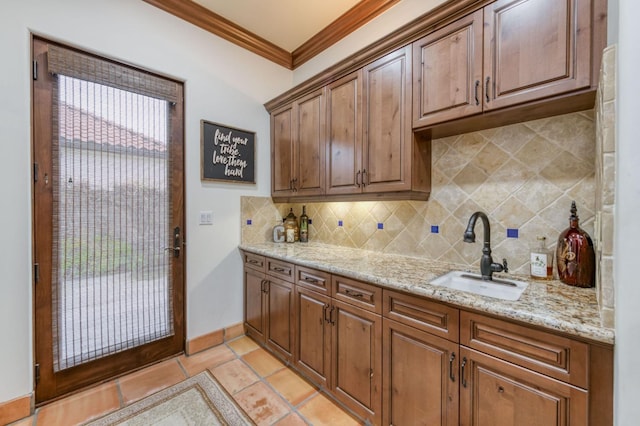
523 176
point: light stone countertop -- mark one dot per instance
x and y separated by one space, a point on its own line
549 304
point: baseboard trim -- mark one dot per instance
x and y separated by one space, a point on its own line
215 338
16 409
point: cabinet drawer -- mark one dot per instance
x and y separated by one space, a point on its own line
357 293
432 317
313 279
282 270
556 356
254 261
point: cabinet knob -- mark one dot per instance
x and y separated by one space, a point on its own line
500 389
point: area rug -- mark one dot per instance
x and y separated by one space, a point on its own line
199 400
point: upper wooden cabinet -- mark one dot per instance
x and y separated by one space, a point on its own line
508 53
298 147
447 74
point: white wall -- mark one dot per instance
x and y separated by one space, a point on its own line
627 223
223 83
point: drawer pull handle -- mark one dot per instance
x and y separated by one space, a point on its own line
311 280
463 380
278 269
451 359
353 293
253 261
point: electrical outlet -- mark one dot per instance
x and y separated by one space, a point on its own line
206 218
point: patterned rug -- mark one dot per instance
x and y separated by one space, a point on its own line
199 400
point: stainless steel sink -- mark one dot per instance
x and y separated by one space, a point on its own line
505 289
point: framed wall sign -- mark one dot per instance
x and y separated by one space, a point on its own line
228 154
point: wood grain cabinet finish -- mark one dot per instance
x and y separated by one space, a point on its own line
495 393
420 377
508 53
400 359
269 309
356 359
298 147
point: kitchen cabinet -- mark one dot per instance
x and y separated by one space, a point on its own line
298 147
508 53
269 304
371 148
496 393
338 343
395 358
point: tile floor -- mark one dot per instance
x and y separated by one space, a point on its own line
264 387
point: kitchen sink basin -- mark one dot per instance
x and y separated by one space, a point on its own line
500 288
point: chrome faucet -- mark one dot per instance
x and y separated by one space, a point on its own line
487 267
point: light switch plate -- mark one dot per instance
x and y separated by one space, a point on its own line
206 218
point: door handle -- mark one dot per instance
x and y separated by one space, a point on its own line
451 359
486 89
176 242
477 86
462 378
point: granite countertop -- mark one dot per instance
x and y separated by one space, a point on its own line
549 304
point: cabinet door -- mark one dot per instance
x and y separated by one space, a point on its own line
387 123
279 317
344 130
420 380
357 365
535 48
447 76
254 305
313 335
282 151
496 393
310 150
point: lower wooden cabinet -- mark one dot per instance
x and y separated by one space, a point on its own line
269 311
497 393
356 358
420 377
397 359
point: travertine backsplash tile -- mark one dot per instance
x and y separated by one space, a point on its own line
524 176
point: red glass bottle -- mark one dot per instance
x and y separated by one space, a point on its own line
575 257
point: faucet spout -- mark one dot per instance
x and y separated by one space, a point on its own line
487 266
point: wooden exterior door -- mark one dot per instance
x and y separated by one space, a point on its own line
518 33
447 72
282 151
280 311
420 379
387 123
497 393
357 367
309 175
313 335
108 220
344 129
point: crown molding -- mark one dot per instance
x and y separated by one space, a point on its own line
347 23
207 20
210 21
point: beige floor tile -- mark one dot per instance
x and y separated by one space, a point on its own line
81 407
150 380
234 376
291 386
321 411
208 359
291 420
263 362
243 345
261 403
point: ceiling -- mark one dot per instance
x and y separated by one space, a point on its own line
287 32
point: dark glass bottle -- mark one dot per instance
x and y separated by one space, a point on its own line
575 258
304 225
